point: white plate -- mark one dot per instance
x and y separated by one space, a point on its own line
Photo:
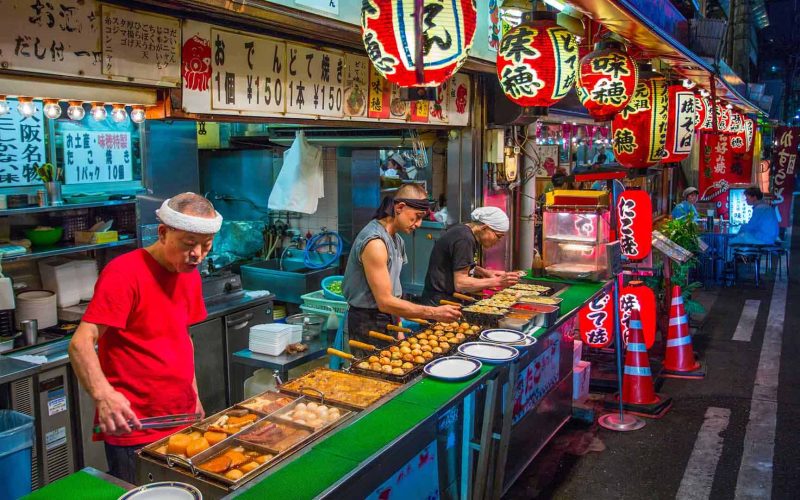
166 490
503 336
453 368
488 352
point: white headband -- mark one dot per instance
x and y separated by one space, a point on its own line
189 223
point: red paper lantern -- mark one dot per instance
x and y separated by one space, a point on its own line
738 139
639 131
723 118
635 224
388 32
537 62
705 117
596 322
607 80
681 123
637 296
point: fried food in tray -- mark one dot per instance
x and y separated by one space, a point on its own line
235 462
231 421
550 301
346 388
486 309
267 402
185 444
540 289
275 436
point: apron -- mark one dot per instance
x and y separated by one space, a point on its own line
360 322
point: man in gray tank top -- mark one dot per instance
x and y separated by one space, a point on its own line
372 278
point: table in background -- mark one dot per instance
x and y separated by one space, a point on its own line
714 259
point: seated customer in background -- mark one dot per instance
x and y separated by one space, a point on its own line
687 206
762 228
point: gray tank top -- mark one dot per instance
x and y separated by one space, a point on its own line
355 286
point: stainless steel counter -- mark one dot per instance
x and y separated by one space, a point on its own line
13 369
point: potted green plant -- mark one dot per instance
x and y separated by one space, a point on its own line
684 232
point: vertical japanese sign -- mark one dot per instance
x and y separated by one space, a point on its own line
460 100
379 94
356 85
248 72
21 146
637 296
635 223
420 111
316 81
141 45
54 37
97 157
787 140
596 321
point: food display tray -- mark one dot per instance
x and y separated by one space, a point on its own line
487 320
302 387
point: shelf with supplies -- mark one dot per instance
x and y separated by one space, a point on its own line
67 206
67 248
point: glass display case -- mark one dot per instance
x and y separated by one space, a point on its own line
575 242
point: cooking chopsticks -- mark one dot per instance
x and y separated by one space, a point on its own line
164 422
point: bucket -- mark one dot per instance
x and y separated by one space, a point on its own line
16 443
312 324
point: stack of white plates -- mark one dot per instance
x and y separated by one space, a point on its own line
39 305
271 338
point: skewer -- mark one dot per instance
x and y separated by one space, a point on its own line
382 336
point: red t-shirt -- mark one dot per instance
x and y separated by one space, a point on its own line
146 352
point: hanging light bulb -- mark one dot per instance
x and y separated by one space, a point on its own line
729 106
75 111
4 107
688 84
704 92
118 113
99 111
52 109
26 107
137 114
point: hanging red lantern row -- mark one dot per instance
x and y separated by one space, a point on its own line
681 123
639 131
705 115
635 224
607 80
596 322
537 62
636 295
389 34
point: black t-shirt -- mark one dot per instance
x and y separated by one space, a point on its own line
452 252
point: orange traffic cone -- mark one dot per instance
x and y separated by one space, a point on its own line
638 393
679 360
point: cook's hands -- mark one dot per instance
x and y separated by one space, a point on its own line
115 415
445 314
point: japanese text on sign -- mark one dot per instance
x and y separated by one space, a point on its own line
685 123
627 303
567 52
249 72
316 81
597 333
658 135
141 45
627 240
356 86
784 158
54 37
97 157
21 146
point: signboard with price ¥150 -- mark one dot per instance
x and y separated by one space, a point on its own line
97 157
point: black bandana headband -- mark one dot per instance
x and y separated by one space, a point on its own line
386 209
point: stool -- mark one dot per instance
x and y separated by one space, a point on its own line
779 251
750 254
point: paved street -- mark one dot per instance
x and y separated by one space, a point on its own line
731 435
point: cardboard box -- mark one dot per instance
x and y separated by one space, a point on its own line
90 238
580 381
577 352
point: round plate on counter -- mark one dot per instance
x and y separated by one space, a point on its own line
164 490
488 352
503 336
453 368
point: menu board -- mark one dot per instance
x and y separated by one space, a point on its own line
316 81
249 72
21 146
139 45
97 157
54 37
229 72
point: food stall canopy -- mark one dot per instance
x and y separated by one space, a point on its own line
621 17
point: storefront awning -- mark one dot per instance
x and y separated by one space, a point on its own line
621 17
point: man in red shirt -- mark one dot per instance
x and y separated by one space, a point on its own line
143 304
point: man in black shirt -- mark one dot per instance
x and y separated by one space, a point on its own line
452 266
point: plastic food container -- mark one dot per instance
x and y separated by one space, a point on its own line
312 324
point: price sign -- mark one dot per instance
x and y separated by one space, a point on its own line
249 72
141 45
97 157
21 146
316 81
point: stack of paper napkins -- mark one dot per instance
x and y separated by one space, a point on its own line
270 338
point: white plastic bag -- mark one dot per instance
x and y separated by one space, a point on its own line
300 182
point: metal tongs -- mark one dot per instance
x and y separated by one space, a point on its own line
164 422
